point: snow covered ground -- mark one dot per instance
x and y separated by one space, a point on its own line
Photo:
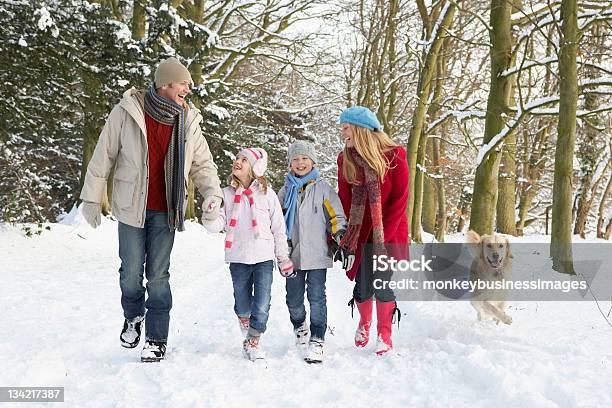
61 319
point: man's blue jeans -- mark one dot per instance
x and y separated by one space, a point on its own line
313 282
252 292
147 251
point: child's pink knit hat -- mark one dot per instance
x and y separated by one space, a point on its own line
258 158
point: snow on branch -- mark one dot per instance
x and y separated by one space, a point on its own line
512 124
423 170
528 65
436 27
533 12
593 16
460 114
535 107
592 82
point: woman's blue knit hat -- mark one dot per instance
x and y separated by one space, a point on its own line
360 116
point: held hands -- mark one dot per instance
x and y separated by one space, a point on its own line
210 225
285 267
346 257
342 254
210 208
91 213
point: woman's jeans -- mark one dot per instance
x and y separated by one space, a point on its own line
364 280
147 251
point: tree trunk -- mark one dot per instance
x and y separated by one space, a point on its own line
587 154
189 46
139 17
601 213
535 157
505 220
534 152
418 190
506 214
418 117
429 198
484 198
561 239
190 211
464 202
440 227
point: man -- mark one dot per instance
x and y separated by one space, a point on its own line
154 139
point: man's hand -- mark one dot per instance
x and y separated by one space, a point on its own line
91 213
210 208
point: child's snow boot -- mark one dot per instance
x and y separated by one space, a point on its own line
244 325
153 351
130 335
315 351
302 335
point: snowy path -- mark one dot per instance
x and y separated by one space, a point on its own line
62 316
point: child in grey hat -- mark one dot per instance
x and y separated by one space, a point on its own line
312 212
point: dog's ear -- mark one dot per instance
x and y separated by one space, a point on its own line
472 237
473 243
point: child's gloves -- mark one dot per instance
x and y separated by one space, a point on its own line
290 245
210 208
341 253
91 213
285 267
346 257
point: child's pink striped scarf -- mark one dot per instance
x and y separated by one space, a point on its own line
229 238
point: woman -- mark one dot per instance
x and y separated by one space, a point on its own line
373 189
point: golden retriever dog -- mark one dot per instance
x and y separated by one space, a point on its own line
492 263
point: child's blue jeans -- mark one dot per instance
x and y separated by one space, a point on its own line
252 292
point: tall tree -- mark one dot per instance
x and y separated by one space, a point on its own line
434 31
561 239
484 199
590 148
505 220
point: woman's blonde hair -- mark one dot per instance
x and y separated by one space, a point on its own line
371 146
235 181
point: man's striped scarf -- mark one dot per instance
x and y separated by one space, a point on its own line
240 191
168 112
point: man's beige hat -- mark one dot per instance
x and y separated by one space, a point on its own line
171 70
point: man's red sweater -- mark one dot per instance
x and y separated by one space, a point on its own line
158 139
